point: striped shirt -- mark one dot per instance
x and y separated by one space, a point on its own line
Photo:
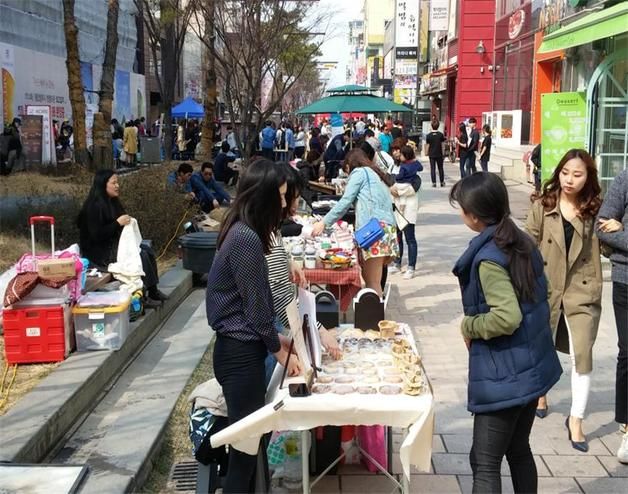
282 289
238 298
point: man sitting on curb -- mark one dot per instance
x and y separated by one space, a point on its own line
210 194
179 180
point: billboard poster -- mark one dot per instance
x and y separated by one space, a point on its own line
48 154
122 98
439 15
7 84
563 127
424 30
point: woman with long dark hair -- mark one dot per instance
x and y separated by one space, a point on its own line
561 221
367 188
240 305
100 224
506 328
462 140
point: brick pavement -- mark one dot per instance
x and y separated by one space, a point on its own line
430 303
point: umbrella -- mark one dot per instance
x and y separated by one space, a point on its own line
188 108
342 103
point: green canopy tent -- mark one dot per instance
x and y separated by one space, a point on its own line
352 103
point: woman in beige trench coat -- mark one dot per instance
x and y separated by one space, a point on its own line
561 221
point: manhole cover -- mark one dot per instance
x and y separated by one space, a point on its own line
183 476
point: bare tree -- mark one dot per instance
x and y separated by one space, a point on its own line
261 44
210 93
103 150
166 22
75 85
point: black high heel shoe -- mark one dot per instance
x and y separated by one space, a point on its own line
582 446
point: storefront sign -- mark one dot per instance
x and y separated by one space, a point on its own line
563 127
439 15
515 23
424 30
405 53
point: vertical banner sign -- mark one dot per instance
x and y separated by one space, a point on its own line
48 156
452 27
336 124
406 23
32 139
563 127
423 31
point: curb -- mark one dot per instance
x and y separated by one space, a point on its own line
37 424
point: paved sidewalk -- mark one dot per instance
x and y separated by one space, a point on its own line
430 303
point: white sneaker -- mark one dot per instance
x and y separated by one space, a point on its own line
622 452
393 268
409 274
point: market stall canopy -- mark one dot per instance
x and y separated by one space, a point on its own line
351 88
365 103
188 108
592 27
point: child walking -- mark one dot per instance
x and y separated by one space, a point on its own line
507 331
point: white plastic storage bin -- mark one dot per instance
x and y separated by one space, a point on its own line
101 320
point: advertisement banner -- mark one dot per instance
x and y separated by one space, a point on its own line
563 127
48 154
404 96
439 15
7 84
452 25
406 23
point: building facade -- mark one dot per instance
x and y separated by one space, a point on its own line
33 54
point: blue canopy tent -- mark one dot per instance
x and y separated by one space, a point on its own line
188 108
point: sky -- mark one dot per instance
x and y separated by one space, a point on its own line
336 47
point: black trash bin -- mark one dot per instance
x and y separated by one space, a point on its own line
198 249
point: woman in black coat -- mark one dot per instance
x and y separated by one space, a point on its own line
100 223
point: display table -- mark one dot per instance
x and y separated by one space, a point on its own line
322 187
344 283
414 414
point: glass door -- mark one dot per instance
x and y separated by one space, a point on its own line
609 130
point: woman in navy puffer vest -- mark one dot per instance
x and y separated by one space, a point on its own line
507 330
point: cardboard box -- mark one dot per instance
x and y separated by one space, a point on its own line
56 268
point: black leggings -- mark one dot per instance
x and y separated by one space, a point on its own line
504 432
620 305
437 162
239 368
149 265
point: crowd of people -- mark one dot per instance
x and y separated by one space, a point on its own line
525 293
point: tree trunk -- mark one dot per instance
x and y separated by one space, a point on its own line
209 99
75 85
105 102
169 71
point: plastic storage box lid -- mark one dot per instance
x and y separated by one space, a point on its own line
116 301
38 302
202 240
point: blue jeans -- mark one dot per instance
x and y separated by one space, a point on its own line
413 248
470 164
484 165
463 160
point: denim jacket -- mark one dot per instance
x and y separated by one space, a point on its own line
371 196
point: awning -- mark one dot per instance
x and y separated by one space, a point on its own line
598 25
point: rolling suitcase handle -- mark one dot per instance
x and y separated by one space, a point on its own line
43 219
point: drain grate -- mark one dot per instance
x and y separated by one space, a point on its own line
183 476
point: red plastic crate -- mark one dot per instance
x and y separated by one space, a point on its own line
34 334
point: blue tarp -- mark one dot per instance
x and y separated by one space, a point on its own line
188 108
